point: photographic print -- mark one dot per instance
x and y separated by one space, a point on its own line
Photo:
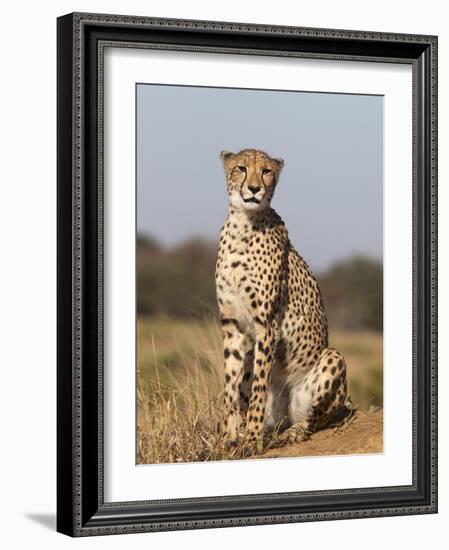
259 249
247 274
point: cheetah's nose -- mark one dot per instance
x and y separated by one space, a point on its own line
253 190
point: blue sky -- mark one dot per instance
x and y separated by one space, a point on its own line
330 193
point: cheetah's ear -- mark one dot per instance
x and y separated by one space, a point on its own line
280 163
225 155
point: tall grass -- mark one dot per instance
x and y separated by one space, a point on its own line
179 392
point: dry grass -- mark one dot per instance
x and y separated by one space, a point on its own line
180 384
169 432
179 392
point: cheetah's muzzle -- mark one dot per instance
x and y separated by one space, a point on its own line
251 199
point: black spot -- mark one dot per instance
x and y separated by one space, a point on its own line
237 355
333 370
227 378
235 264
227 353
234 322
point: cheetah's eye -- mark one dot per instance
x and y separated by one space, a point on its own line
266 171
242 169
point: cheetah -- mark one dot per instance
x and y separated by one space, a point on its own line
279 373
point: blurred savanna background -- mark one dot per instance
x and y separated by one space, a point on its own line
330 197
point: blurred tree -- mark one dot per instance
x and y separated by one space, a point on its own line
353 293
179 282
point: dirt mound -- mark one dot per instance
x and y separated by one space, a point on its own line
363 433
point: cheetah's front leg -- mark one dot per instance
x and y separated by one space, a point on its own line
263 359
235 343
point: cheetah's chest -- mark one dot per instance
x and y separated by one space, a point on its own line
232 276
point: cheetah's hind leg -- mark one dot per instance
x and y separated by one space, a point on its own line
319 400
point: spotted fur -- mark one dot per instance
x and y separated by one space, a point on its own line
280 373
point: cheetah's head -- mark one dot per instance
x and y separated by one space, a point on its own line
251 177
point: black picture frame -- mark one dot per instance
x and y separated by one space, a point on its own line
81 509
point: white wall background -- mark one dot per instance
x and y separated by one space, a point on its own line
28 282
